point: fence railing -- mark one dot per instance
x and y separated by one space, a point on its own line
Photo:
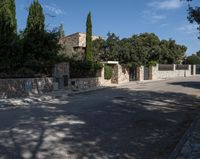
182 67
165 67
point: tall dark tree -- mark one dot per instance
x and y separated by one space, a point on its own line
88 53
61 31
36 19
8 30
13 11
40 47
34 34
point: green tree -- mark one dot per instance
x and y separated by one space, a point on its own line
193 14
61 31
193 60
99 48
8 37
36 19
171 52
88 53
41 48
13 11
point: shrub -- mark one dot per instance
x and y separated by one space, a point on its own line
24 73
152 63
108 72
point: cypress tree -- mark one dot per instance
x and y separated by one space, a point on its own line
88 54
8 21
36 19
40 47
8 30
13 11
61 31
34 36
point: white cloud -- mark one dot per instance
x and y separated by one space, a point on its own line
54 9
188 28
166 4
152 16
164 25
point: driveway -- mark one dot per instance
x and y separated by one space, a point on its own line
134 121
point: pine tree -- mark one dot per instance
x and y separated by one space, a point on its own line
88 54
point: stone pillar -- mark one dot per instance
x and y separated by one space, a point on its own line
153 72
102 79
189 71
61 75
140 73
174 67
194 70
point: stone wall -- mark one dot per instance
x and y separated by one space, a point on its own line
157 74
77 40
84 83
123 75
12 88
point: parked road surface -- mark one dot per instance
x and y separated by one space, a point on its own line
134 121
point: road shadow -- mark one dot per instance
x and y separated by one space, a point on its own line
111 123
189 84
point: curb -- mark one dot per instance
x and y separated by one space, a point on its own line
174 154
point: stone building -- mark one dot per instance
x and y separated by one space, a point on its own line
77 41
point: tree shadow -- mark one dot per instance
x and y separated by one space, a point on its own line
189 84
111 123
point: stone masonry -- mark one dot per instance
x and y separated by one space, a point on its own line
77 40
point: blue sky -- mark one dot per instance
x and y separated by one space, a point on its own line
166 18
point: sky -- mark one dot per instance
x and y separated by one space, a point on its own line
165 18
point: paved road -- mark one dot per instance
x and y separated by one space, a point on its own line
136 121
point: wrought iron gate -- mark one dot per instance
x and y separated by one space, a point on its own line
198 69
146 73
133 74
192 69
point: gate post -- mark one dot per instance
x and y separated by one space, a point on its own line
153 72
194 70
140 73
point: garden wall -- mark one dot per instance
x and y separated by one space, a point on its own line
11 88
84 83
157 73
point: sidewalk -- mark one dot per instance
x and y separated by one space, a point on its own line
191 148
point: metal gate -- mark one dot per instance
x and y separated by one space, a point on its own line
133 74
146 73
192 69
198 69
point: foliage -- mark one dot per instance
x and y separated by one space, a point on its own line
35 22
61 31
80 69
194 14
171 52
33 51
193 60
40 47
9 45
152 63
88 54
108 72
138 50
